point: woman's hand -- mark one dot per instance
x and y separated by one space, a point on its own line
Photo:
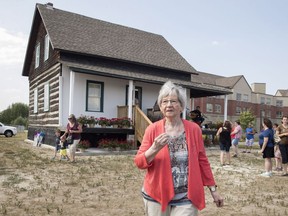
160 141
218 200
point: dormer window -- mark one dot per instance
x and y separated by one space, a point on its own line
37 55
46 47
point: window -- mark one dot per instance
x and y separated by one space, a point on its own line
46 48
268 101
209 107
262 100
238 97
268 113
245 97
37 55
238 110
35 100
279 103
94 95
217 108
46 97
279 114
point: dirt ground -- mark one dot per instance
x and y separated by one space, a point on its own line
33 184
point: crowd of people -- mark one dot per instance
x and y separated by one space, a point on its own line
273 143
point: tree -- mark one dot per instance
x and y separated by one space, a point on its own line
14 111
246 117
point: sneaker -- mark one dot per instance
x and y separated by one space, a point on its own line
243 151
266 174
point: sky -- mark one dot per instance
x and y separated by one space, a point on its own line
222 37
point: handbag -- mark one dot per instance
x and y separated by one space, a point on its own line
69 139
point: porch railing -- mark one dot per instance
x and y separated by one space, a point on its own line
140 120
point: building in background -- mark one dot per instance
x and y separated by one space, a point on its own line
245 97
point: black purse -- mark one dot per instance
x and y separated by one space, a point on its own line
69 139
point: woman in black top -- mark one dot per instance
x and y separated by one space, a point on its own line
225 141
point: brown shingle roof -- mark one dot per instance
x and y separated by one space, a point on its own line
80 34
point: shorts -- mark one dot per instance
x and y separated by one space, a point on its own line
235 141
284 153
63 152
249 142
57 147
224 147
268 152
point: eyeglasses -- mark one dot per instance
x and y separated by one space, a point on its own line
173 102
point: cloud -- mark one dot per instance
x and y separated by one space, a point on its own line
12 47
215 43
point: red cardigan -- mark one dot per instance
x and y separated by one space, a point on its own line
158 182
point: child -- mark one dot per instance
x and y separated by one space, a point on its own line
63 150
57 142
249 138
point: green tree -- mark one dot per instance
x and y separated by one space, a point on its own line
14 111
246 117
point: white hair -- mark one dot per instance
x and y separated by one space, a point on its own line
170 88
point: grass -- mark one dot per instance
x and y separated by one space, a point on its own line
32 184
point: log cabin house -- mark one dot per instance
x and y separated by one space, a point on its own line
85 66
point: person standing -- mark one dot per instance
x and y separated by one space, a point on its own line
225 141
238 134
282 132
266 138
73 129
57 142
278 158
249 138
173 153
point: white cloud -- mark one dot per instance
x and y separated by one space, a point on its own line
215 43
12 47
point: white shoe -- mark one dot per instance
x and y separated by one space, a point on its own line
266 174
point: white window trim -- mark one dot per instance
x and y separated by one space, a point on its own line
46 47
37 55
46 97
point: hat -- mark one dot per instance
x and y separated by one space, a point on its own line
71 116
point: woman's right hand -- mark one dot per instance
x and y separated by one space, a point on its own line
161 141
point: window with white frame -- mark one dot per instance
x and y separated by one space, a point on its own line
94 95
238 97
209 107
37 55
217 108
268 113
279 103
268 101
262 100
238 110
46 97
46 48
245 97
279 114
35 110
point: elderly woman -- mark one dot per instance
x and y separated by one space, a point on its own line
74 130
173 153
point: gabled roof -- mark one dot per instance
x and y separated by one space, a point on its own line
283 92
227 82
70 32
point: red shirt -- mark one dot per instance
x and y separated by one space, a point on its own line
158 182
